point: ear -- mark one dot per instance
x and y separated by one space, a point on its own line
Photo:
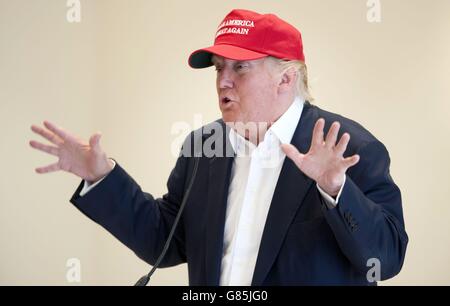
287 81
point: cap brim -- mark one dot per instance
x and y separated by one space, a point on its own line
202 58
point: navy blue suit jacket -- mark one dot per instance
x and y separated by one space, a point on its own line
303 242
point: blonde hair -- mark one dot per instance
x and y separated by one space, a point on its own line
301 86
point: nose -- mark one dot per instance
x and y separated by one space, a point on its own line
225 79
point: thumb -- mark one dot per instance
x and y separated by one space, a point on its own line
94 141
351 161
293 154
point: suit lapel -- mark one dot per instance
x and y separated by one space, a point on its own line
290 191
219 180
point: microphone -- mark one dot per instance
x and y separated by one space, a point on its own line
143 281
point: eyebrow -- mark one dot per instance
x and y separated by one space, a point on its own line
216 61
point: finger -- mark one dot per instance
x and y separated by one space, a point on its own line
44 148
293 154
46 134
342 144
317 136
57 130
50 168
94 141
331 138
351 161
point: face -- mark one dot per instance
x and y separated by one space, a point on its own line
247 90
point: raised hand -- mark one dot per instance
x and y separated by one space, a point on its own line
86 160
324 162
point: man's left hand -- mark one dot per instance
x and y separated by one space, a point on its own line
324 162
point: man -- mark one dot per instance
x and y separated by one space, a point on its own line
254 217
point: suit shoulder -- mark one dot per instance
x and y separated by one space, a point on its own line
194 142
358 133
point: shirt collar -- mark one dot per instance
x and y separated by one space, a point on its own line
240 145
285 126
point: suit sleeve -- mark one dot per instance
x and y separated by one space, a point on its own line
368 221
138 220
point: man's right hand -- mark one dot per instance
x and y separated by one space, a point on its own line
86 160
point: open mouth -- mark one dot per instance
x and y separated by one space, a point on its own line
226 100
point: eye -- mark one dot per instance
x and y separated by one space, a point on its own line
241 66
218 68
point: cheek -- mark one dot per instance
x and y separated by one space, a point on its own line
262 91
257 87
257 102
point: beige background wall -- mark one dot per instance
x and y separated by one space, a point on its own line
123 71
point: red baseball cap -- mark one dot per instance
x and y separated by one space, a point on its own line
246 35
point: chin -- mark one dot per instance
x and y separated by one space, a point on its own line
229 118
